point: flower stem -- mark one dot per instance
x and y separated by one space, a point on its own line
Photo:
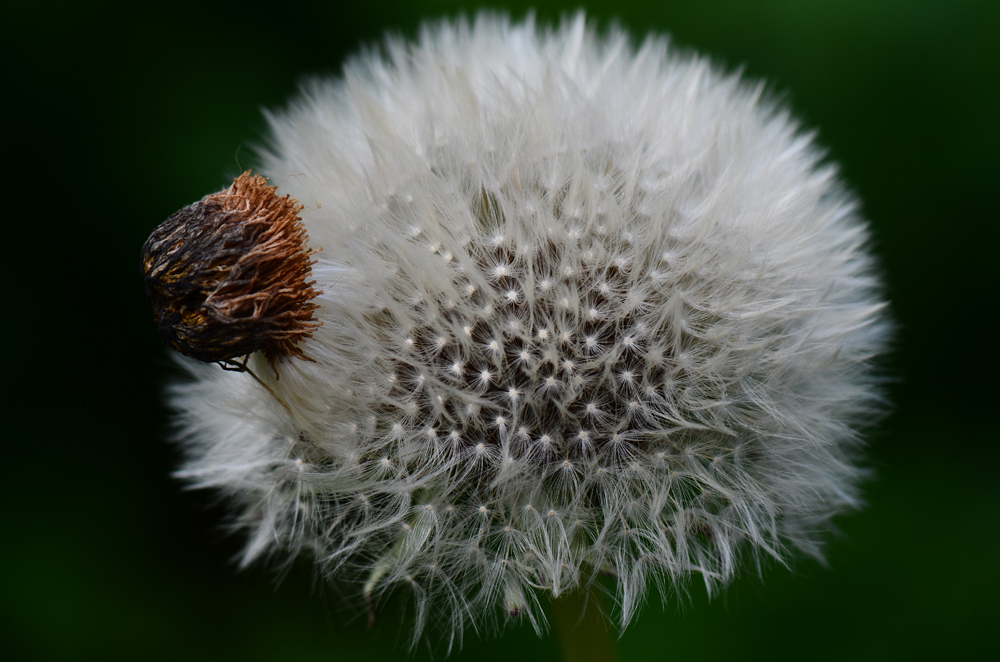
581 628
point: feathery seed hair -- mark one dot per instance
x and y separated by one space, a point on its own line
586 308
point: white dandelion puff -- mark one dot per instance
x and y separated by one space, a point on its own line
646 353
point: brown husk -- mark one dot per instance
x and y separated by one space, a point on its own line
229 275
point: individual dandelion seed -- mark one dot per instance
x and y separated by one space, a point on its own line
649 356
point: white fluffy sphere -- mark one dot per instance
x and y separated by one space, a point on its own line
587 308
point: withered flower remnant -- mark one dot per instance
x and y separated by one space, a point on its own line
229 275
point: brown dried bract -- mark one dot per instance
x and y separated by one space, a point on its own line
229 275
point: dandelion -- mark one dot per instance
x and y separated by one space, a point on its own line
560 306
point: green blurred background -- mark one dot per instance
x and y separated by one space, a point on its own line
121 113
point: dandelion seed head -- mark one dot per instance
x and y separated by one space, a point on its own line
653 323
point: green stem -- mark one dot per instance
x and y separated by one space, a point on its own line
581 628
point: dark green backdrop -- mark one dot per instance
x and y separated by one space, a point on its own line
122 113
